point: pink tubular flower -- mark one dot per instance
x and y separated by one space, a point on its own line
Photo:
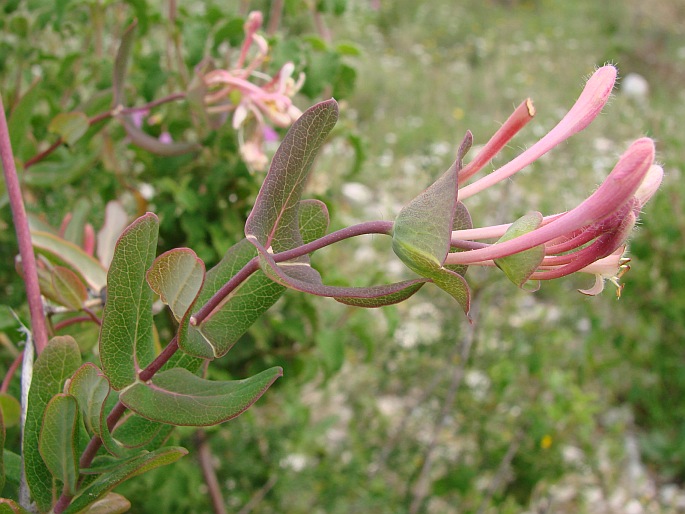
234 91
590 238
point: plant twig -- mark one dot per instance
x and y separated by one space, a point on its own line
21 227
209 473
10 372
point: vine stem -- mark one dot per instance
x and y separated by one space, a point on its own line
103 116
21 227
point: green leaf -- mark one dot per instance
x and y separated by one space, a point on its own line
178 397
407 291
273 221
177 276
216 335
19 122
131 468
80 213
462 221
520 266
53 173
68 288
121 63
11 410
90 388
65 253
70 126
126 336
11 507
58 361
12 466
57 441
111 503
313 220
136 432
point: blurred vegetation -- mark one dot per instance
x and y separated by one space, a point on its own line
544 391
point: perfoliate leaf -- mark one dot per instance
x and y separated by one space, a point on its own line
177 276
68 288
67 254
216 335
423 229
70 126
462 221
131 468
520 266
126 335
410 287
57 441
178 397
58 361
273 221
121 63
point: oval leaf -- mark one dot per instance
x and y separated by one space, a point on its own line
68 288
11 410
177 276
58 361
178 397
70 126
68 254
57 442
131 468
90 388
276 207
126 336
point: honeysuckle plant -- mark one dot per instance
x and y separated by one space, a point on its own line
91 425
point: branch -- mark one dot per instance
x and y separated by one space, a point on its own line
21 227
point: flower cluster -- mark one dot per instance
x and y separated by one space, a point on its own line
591 237
234 91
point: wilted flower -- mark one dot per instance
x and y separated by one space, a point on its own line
591 237
253 95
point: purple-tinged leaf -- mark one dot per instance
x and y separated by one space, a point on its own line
68 288
121 64
126 335
57 441
411 287
518 267
129 469
179 397
273 221
58 361
64 253
177 276
70 126
154 145
423 229
422 232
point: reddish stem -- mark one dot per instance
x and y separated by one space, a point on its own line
10 372
21 226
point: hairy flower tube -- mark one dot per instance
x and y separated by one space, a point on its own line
235 91
589 238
